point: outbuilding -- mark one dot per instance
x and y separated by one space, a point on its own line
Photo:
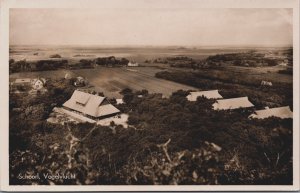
232 103
280 112
210 94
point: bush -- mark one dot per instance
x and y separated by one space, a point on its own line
42 65
55 56
286 71
200 166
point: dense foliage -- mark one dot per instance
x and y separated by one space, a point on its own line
51 64
177 61
55 56
169 141
111 61
56 63
40 65
253 58
232 85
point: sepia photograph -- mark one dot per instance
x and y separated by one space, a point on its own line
152 93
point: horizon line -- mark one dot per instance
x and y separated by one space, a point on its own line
138 45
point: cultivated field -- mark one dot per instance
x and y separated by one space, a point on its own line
111 81
55 74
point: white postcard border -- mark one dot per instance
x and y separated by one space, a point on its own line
128 4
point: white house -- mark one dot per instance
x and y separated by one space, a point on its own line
132 64
210 94
233 103
38 83
119 101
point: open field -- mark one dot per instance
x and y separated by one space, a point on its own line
111 81
267 73
55 74
256 73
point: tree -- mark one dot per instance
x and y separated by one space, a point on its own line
126 91
55 56
11 61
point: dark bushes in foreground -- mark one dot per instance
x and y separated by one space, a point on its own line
169 141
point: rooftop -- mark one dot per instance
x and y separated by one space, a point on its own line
90 104
233 103
210 94
280 112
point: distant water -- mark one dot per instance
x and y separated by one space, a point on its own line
32 53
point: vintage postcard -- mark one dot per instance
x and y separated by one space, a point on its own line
152 95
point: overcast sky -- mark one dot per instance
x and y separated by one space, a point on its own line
152 26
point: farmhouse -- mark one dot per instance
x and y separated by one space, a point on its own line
210 94
233 103
89 105
38 83
280 112
80 81
28 85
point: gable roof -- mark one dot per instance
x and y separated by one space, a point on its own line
89 104
233 103
82 97
107 110
281 112
38 80
210 94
